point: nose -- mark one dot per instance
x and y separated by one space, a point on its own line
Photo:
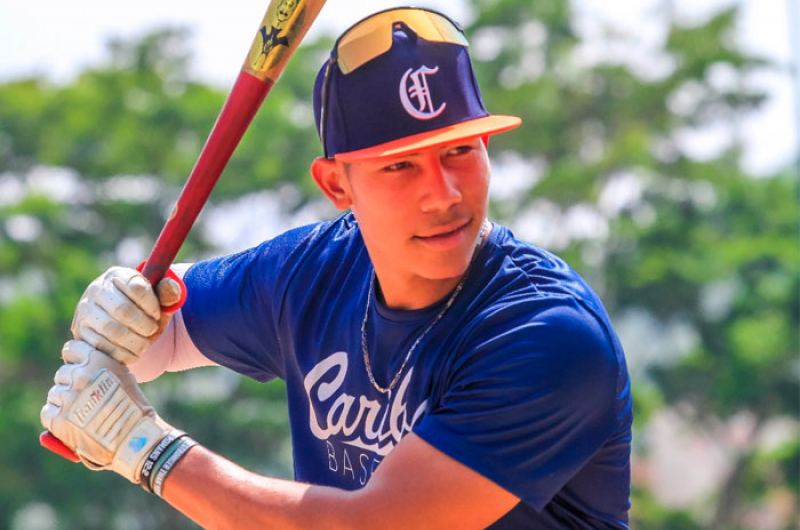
441 188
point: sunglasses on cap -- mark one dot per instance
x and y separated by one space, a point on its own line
372 36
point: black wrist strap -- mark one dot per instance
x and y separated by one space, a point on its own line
167 463
161 448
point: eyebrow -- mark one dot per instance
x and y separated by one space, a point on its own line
416 154
413 154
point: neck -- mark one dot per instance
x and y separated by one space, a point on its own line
413 293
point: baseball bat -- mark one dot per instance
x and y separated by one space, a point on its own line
284 26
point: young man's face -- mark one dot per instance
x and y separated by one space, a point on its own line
420 214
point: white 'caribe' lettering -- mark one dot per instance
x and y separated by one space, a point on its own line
373 436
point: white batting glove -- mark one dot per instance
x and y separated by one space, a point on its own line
98 411
120 314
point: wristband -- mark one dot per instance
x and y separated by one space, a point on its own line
155 454
160 462
164 467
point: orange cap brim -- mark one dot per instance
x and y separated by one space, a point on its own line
485 126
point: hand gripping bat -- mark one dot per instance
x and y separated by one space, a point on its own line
283 27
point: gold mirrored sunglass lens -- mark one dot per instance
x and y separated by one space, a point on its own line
373 36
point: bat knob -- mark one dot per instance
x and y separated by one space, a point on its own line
171 275
48 441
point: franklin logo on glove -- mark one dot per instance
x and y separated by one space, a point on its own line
85 409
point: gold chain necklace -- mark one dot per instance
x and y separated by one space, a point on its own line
393 383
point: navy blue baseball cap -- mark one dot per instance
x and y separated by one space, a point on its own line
397 82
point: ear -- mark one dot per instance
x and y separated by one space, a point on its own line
330 177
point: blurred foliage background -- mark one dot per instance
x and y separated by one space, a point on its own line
697 261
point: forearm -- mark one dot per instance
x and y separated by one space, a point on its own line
401 495
218 494
173 351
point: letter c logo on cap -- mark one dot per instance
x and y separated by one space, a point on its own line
415 94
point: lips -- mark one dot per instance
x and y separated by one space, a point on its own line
446 236
446 229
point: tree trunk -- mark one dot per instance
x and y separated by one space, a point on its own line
728 510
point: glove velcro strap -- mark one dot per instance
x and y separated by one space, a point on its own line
167 462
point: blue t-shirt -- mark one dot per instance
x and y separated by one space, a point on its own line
523 379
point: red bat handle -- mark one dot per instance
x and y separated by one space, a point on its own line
246 96
47 440
241 106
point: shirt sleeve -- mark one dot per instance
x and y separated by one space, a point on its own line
234 302
531 399
173 351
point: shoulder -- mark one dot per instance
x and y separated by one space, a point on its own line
532 268
285 250
518 281
322 237
530 309
558 333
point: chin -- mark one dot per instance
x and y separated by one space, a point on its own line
445 269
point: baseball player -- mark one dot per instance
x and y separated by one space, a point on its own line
440 373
